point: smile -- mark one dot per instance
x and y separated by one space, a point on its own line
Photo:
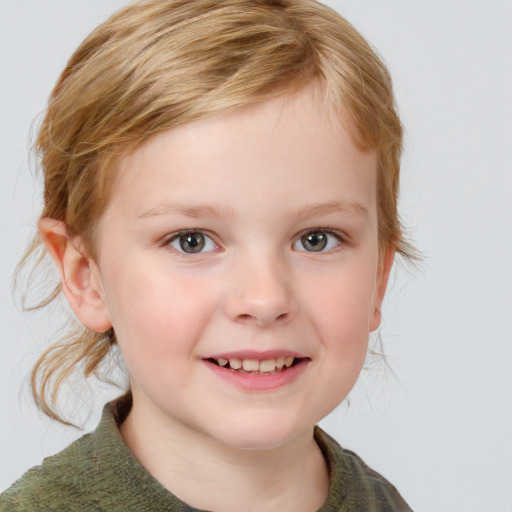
255 366
258 372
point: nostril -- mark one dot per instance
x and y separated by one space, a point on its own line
245 317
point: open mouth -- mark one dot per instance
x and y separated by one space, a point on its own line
253 366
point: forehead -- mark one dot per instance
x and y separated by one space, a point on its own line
288 148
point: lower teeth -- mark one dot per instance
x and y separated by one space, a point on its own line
254 372
241 370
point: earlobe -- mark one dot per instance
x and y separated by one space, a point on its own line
78 274
380 290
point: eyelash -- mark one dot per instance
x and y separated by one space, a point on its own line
176 236
341 240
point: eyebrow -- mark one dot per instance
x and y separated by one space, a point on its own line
194 212
213 211
343 206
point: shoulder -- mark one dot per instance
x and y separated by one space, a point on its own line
354 484
97 472
57 484
76 479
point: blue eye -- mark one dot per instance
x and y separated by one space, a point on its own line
192 242
317 241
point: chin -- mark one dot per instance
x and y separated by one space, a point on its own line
258 434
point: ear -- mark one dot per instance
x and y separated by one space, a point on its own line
79 275
386 262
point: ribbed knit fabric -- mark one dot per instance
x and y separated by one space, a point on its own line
99 473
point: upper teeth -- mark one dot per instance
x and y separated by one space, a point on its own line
253 365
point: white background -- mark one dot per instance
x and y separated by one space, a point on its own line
441 429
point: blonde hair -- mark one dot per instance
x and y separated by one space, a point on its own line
158 64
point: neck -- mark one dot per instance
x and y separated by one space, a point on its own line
292 476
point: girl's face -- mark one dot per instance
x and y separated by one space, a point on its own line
249 238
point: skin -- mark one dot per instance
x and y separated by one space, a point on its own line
253 181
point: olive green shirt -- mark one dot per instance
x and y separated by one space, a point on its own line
99 473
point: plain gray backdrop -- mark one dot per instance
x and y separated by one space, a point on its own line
440 428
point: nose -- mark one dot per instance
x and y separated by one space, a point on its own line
260 294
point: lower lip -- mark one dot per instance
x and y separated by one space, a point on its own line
256 381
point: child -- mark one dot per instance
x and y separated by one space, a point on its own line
221 184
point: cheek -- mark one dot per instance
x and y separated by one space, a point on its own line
343 323
157 317
343 305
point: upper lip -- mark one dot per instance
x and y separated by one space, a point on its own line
257 355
